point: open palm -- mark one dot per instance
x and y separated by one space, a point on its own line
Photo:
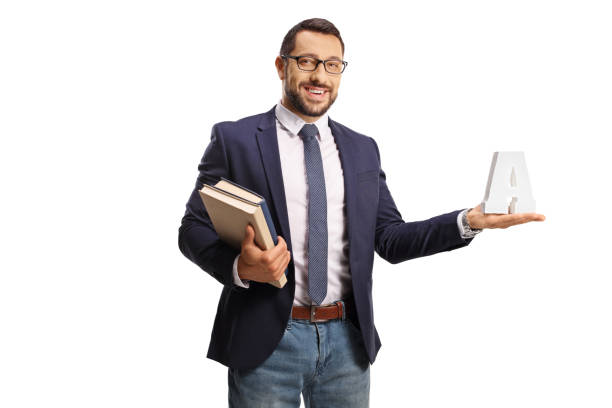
478 220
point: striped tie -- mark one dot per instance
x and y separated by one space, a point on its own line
317 215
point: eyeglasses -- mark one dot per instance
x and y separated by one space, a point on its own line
309 64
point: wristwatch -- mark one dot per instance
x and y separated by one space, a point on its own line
467 231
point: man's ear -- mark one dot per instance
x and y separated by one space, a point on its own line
280 67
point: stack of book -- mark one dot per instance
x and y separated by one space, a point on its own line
231 208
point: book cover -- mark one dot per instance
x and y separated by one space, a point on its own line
231 208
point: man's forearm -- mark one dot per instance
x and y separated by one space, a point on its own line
203 247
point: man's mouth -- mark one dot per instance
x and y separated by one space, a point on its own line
315 92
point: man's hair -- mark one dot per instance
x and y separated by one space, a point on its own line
318 25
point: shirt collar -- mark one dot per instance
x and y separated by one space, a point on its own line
293 123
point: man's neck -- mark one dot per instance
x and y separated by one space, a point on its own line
305 118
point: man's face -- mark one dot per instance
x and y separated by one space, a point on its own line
298 86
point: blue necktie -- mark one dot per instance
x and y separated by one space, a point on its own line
317 215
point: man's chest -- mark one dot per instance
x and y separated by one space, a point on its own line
294 173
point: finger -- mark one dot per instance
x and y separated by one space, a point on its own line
534 216
281 270
248 246
280 247
249 235
258 245
278 261
282 242
505 221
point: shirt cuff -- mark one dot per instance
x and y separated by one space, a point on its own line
237 281
464 228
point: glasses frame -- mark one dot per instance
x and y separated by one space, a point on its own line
297 57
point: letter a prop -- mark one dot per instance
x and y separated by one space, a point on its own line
508 189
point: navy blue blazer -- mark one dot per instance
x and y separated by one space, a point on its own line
250 322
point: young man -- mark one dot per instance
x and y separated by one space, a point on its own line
331 206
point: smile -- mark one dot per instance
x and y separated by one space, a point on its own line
315 91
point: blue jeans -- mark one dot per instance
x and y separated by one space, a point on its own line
326 362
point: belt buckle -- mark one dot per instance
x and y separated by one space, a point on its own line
312 315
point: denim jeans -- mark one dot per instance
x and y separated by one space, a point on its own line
326 362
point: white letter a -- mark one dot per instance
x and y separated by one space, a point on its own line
508 189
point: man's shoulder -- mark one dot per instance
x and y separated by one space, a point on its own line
249 122
356 136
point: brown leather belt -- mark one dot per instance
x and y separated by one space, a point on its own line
319 313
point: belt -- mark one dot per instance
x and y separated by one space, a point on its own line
316 314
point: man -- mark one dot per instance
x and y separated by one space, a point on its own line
331 206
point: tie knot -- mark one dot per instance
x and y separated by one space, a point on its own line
309 131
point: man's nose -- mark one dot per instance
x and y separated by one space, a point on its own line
319 73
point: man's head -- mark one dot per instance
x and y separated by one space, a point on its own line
309 94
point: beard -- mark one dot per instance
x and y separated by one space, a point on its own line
301 105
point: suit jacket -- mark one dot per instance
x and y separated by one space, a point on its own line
250 322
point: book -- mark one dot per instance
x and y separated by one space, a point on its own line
231 208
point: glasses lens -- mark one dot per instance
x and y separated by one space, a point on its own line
334 67
307 63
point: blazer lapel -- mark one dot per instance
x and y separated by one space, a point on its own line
270 157
268 149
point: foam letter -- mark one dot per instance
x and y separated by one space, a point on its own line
508 189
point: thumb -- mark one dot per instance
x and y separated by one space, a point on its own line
249 236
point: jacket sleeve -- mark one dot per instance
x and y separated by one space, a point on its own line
397 241
197 238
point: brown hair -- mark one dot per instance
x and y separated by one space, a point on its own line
318 25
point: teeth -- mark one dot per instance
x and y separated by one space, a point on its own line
315 91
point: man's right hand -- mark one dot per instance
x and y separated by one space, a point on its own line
262 266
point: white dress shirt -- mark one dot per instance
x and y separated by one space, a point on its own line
291 150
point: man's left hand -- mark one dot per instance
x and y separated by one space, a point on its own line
478 220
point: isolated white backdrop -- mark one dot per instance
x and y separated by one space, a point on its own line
106 109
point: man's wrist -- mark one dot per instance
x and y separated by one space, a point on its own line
243 283
465 230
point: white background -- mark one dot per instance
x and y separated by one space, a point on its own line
106 109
